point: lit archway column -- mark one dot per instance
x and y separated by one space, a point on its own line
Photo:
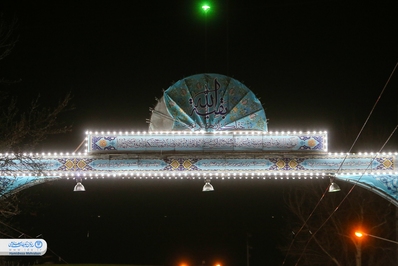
382 184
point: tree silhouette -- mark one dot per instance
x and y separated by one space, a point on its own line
22 127
335 243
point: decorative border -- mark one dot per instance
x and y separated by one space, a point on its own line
232 165
384 184
218 163
207 142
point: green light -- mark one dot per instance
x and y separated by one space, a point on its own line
205 7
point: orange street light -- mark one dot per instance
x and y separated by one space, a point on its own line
360 234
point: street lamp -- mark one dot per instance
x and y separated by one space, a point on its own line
358 243
361 234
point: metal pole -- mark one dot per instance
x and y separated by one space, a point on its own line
247 250
382 238
358 255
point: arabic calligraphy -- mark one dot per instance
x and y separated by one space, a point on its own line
336 163
198 142
208 102
21 244
234 164
127 164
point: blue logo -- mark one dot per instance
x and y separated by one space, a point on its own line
38 244
20 244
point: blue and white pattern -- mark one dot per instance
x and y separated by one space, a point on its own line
210 102
235 141
216 128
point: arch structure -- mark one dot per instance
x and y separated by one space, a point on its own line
205 127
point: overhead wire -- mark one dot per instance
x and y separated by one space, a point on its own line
304 224
339 169
78 147
5 234
356 139
345 197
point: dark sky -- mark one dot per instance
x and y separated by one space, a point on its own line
315 65
160 222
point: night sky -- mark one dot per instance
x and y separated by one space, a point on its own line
314 65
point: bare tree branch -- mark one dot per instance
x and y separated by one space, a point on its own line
335 243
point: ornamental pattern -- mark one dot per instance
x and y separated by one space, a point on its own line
188 163
391 183
286 164
311 143
384 163
4 183
207 142
181 164
103 143
259 165
75 164
212 102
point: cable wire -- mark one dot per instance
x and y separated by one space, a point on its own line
78 147
345 197
344 159
23 234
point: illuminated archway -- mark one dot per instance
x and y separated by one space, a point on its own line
206 126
